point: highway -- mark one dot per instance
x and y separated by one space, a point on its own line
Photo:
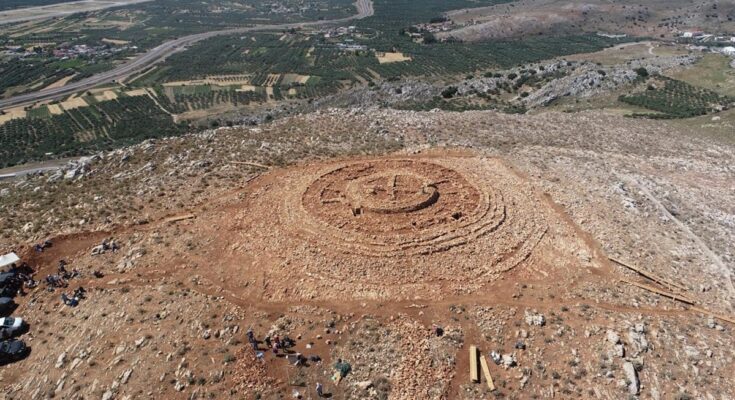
159 53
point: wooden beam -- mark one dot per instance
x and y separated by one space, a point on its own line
486 372
676 297
474 371
658 291
649 275
713 315
179 218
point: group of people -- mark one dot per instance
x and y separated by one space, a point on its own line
73 300
278 344
22 276
60 279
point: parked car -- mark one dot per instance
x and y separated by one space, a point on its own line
12 350
11 327
7 305
8 291
9 279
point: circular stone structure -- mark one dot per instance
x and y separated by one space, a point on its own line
389 226
398 207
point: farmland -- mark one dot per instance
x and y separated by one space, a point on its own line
250 72
263 54
677 99
99 39
188 98
101 125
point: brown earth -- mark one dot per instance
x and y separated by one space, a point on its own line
382 225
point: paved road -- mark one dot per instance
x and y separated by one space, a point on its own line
158 54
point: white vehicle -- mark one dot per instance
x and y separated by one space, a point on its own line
11 326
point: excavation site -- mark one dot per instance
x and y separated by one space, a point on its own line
386 228
468 256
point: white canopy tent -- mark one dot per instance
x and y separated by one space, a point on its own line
8 260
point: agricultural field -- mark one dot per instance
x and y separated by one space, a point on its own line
181 99
91 126
97 40
711 72
677 99
113 116
263 55
148 24
25 75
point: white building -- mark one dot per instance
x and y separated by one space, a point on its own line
687 34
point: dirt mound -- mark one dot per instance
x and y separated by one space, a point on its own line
359 226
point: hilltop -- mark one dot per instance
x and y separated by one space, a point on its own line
216 235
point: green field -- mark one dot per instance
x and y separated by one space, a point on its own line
143 25
103 126
677 99
712 72
261 54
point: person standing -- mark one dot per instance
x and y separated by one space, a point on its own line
319 390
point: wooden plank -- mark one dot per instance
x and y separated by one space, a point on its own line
659 291
474 371
486 373
649 275
718 316
179 218
681 299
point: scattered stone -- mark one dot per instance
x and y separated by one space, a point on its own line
637 338
126 376
509 360
631 377
535 319
364 385
61 360
612 337
496 357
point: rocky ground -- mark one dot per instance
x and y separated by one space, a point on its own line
532 86
165 315
655 18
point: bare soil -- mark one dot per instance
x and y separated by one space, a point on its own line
381 225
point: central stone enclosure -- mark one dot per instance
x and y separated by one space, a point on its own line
391 193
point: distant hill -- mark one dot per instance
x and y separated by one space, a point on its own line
652 18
